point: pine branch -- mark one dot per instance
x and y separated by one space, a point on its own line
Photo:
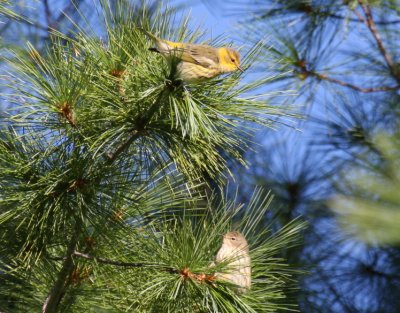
111 157
53 299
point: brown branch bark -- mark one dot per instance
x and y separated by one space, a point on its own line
370 23
111 157
351 86
185 272
357 20
55 295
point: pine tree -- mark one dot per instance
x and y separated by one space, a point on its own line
106 158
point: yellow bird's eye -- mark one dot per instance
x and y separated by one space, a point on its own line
233 238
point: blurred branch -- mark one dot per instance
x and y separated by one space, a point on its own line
354 87
339 17
371 210
369 21
337 296
24 21
306 71
357 20
47 13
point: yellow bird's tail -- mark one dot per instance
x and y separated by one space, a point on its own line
162 46
165 47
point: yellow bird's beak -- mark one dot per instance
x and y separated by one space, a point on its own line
240 68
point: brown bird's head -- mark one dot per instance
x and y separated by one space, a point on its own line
235 240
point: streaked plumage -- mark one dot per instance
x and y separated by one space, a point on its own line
197 62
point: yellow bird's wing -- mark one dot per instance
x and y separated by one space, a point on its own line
203 55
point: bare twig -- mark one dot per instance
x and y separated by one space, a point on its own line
372 27
185 272
369 21
360 17
120 263
358 20
354 87
111 157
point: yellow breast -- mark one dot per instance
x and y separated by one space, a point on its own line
225 63
190 72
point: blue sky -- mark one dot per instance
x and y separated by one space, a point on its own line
216 23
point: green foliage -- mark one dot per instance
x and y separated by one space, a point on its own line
166 249
104 157
372 209
6 11
112 91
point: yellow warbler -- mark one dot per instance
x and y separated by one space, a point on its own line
197 62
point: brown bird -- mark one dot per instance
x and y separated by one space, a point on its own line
235 252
